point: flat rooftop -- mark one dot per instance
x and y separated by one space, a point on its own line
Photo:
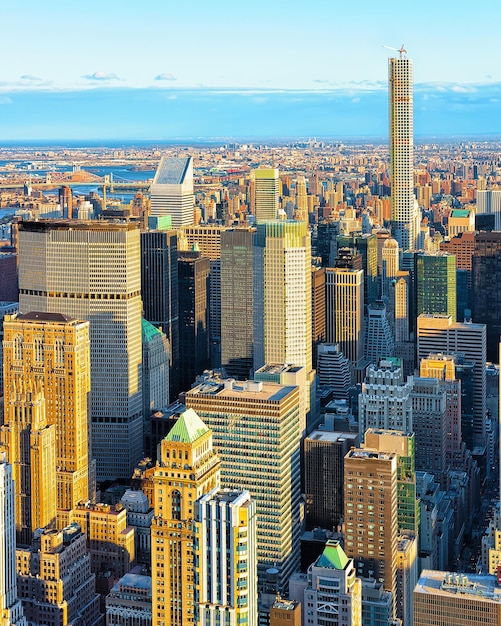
330 436
43 226
249 390
476 586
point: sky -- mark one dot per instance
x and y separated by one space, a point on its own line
166 70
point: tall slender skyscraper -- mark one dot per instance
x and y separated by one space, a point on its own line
159 291
404 213
237 297
172 191
436 283
92 271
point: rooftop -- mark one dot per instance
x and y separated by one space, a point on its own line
171 171
36 316
134 581
248 390
188 428
43 226
330 436
333 556
148 331
480 586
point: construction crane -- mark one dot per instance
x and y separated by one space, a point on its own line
401 51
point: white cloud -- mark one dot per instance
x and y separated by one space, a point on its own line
30 77
101 76
165 76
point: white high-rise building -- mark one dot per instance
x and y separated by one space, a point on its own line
266 194
91 271
282 295
172 191
386 400
404 209
226 558
11 611
333 596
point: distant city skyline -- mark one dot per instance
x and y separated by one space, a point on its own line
174 71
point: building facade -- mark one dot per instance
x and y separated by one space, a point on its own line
55 583
257 429
226 558
345 311
159 291
237 302
405 224
282 295
11 611
52 351
187 468
266 194
172 190
91 271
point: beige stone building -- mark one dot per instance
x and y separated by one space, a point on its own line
187 468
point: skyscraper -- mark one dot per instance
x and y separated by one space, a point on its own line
404 213
442 599
436 283
372 525
345 311
226 558
30 445
266 194
237 297
385 401
333 596
188 468
55 582
193 288
52 351
172 191
206 238
487 287
489 203
324 454
91 271
256 428
159 291
11 612
439 333
282 295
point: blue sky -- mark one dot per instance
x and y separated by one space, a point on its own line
165 70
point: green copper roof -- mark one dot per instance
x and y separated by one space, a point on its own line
188 428
148 331
333 556
460 213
